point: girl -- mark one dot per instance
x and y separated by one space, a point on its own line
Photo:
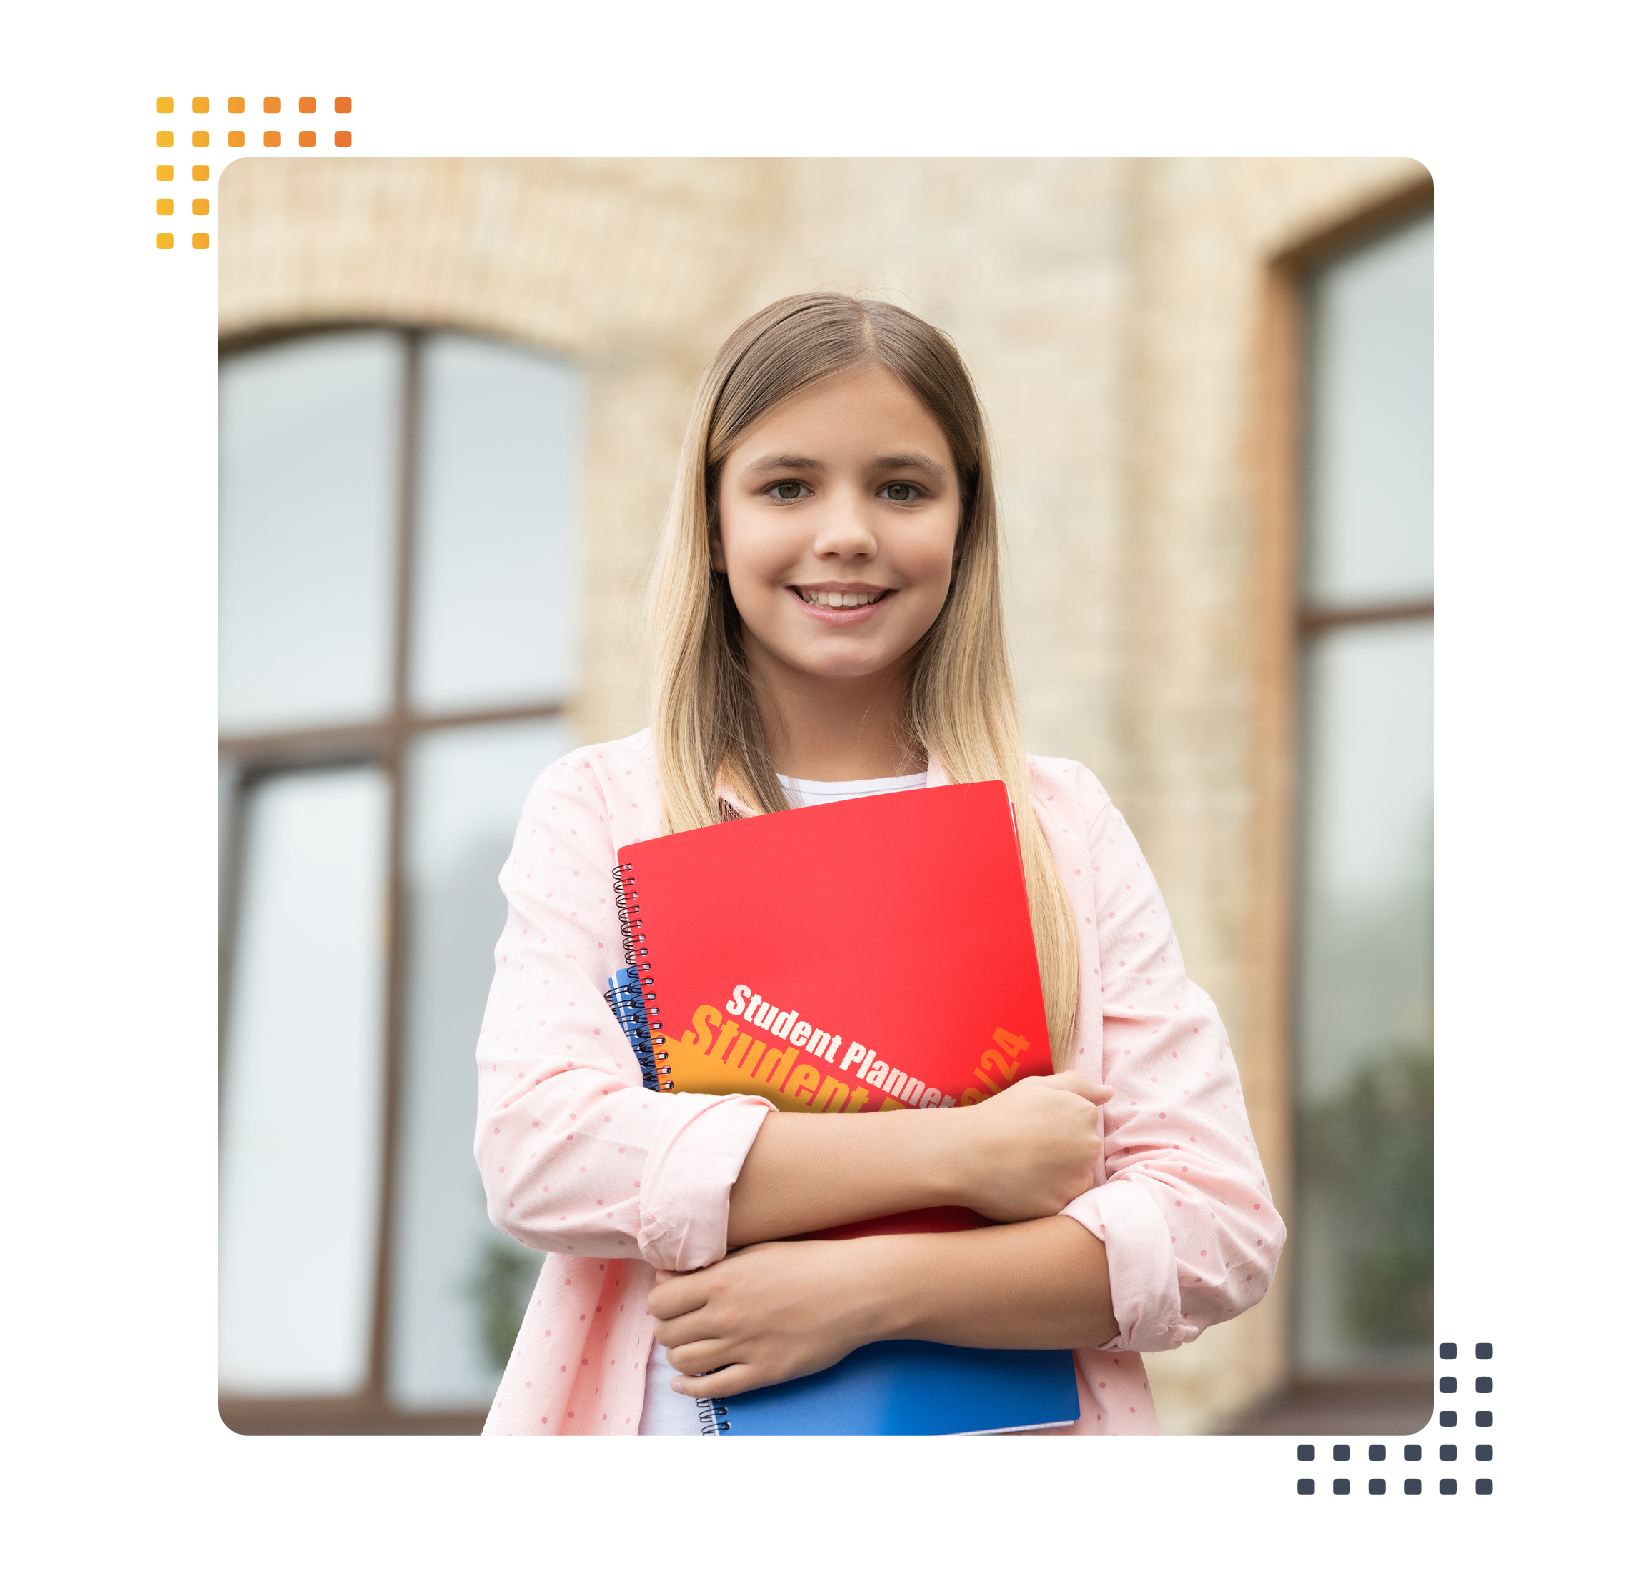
826 621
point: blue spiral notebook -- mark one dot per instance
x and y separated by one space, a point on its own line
909 1389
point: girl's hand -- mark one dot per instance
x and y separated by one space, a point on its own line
770 1312
1030 1151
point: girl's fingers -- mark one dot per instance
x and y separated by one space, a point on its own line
700 1357
1081 1084
722 1384
694 1327
679 1296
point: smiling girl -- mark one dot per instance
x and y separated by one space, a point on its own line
826 622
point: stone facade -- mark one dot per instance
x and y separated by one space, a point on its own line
1111 311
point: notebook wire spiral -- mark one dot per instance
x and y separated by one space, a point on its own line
630 992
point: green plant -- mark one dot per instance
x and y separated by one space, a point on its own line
1370 1150
501 1287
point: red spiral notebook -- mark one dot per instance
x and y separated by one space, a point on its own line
860 956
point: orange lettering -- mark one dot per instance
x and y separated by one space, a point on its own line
1006 1066
802 1083
701 1036
831 1096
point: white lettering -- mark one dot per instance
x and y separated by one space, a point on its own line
855 1052
735 1004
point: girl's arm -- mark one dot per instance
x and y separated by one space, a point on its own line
778 1311
1025 1153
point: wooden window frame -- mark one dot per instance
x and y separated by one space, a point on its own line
1283 624
382 741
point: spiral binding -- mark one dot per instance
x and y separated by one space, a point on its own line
712 1416
631 991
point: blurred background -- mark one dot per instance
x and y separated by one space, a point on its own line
451 399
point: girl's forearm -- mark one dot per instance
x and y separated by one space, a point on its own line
805 1173
1037 1284
1023 1154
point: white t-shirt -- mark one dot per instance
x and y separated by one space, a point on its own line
667 1413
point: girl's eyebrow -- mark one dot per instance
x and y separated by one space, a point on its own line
913 459
783 459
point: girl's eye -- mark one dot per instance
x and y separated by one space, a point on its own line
788 490
900 492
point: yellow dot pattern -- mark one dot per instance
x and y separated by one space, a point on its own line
278 115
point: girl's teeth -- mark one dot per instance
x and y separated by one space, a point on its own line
838 601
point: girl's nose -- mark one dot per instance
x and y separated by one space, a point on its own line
843 527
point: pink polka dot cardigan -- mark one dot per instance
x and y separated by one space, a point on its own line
613 1181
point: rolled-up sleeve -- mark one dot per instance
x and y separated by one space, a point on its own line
576 1154
1184 1209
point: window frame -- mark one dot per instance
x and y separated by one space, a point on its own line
1284 623
246 759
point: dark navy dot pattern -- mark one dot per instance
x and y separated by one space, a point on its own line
1448 1452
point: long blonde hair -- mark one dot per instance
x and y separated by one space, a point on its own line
960 706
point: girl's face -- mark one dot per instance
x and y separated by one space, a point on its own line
839 511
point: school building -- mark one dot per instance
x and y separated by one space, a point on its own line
453 397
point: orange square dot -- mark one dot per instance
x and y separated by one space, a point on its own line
200 172
200 240
199 139
341 139
272 107
341 106
163 206
306 140
272 140
163 107
236 106
201 206
163 173
237 140
163 140
200 106
306 107
163 239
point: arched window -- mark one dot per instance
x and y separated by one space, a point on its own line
398 652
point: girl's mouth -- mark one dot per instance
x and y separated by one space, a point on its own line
836 600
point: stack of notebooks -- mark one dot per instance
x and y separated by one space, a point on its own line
867 955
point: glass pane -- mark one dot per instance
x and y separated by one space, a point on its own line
494 614
1363 1230
307 439
459 1285
1369 476
300 1138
